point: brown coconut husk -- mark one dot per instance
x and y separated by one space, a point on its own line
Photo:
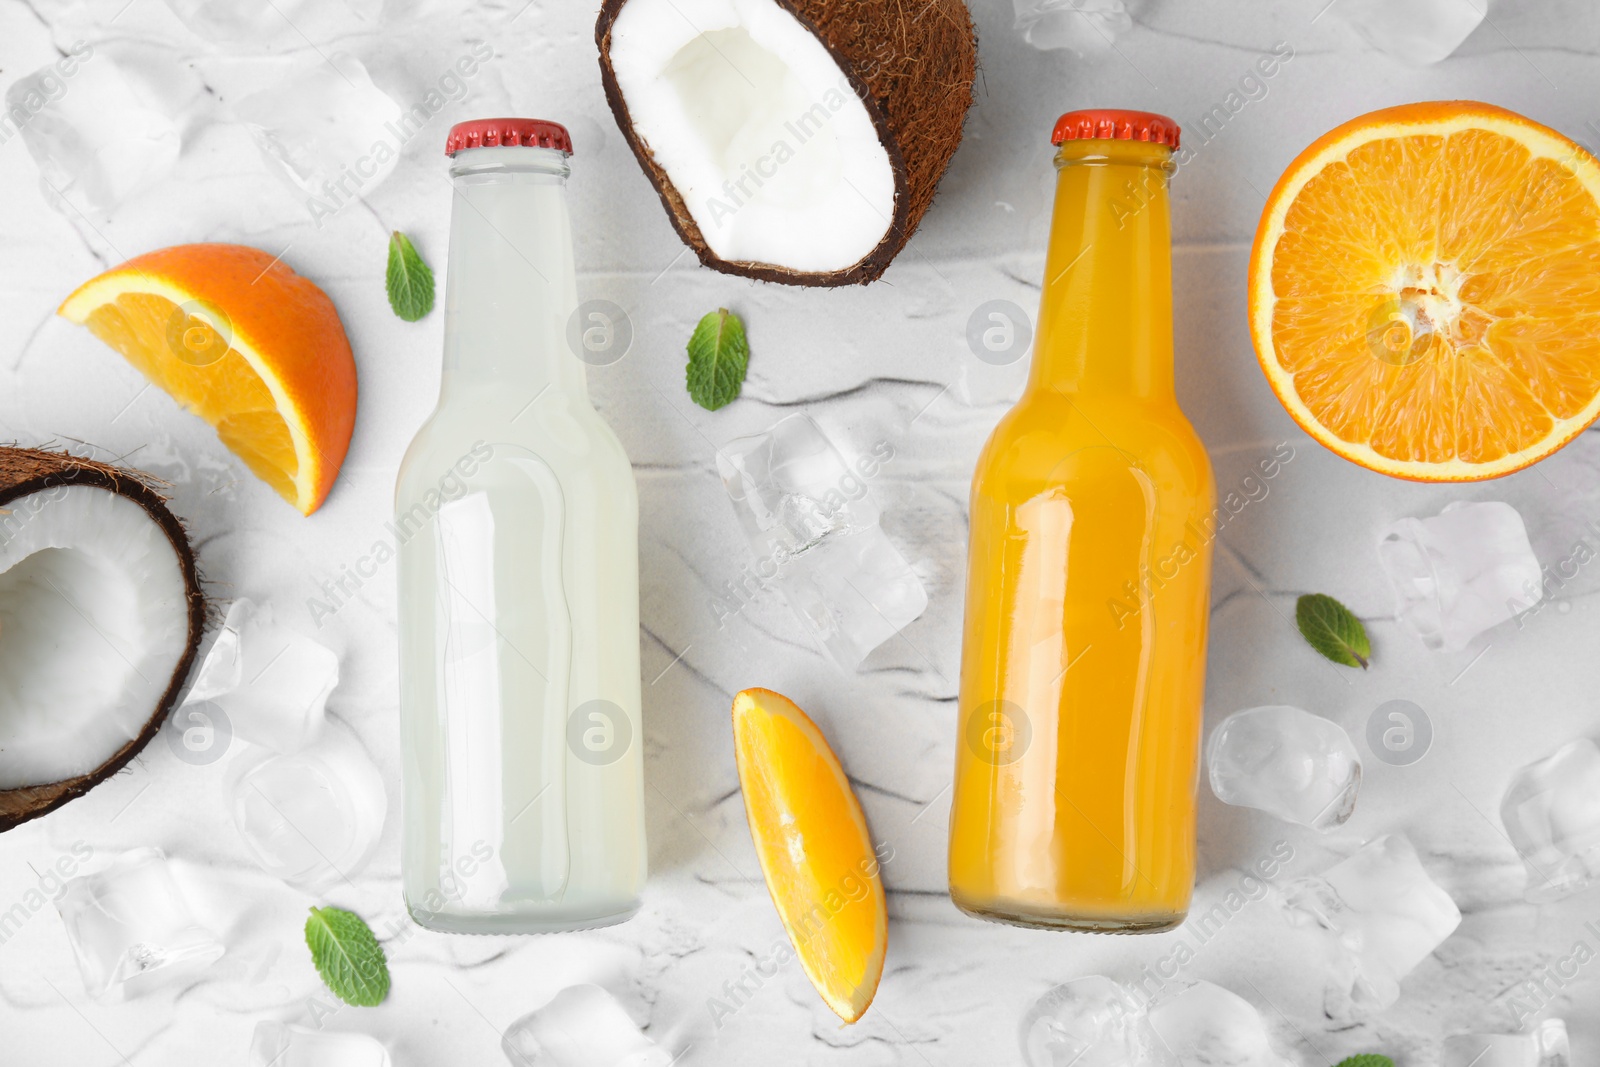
29 470
911 64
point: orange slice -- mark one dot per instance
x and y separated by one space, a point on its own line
242 341
815 850
1425 291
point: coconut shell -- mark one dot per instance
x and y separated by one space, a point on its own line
27 470
911 65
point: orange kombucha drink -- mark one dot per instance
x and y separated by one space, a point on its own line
1083 661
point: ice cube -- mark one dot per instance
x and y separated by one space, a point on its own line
854 592
1384 916
274 25
581 1026
271 683
278 1044
1286 762
1464 571
130 928
1098 1022
793 485
1543 1046
1090 1022
1205 1025
814 529
1413 31
313 817
1551 813
327 131
97 133
1084 26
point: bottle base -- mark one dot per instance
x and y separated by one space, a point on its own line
511 923
1011 913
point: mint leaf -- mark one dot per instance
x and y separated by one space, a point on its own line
347 956
1330 629
1367 1059
409 280
719 356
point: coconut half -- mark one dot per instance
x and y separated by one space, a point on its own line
794 141
101 614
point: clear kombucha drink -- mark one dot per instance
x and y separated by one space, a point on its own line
517 517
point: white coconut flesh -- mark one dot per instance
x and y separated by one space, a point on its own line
93 624
758 130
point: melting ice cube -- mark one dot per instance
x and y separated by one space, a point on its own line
1084 26
1204 1024
271 683
312 817
1414 31
278 1044
1286 762
1089 1022
1098 1022
130 928
582 1026
98 133
813 526
1551 813
1465 570
1383 915
327 131
1543 1046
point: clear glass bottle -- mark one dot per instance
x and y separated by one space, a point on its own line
516 516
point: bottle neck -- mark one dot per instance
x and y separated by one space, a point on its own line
1105 314
511 287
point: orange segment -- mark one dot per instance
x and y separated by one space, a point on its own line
814 847
1424 291
245 343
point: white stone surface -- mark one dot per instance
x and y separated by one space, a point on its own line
888 362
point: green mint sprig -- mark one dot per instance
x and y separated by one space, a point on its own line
347 956
1367 1059
719 357
1332 630
409 281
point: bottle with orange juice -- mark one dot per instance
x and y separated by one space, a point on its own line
1083 662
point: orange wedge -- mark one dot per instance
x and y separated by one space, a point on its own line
815 850
242 341
1425 291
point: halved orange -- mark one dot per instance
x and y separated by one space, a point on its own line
1425 291
814 847
245 343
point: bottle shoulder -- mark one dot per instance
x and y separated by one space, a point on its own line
563 432
1037 439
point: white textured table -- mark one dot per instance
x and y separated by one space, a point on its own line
888 362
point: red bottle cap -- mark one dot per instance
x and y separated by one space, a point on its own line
1114 123
489 133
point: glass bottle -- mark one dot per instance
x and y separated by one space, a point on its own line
1083 661
516 516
